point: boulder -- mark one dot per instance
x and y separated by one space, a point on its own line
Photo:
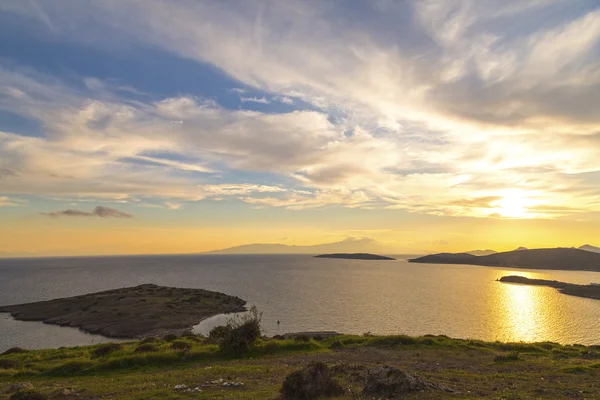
387 381
312 382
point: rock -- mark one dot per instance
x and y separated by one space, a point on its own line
312 382
389 382
20 386
14 350
28 395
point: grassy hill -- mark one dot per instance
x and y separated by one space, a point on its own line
153 369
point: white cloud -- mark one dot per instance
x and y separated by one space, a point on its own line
262 100
8 202
172 205
457 103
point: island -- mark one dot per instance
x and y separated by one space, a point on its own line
355 256
556 258
132 312
591 291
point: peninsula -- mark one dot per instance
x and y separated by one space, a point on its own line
557 258
133 312
587 291
355 256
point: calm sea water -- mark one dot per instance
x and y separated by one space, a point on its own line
304 293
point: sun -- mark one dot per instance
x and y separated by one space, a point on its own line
513 204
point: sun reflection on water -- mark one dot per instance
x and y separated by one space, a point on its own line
522 311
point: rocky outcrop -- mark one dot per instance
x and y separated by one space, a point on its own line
133 312
313 382
587 291
390 382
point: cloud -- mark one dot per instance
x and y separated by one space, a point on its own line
262 100
8 202
99 211
173 206
443 113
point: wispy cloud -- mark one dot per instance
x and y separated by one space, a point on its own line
8 202
460 110
262 100
99 211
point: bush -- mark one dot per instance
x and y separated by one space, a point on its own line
14 350
312 382
242 333
302 338
512 356
149 339
106 349
145 348
11 364
180 345
393 340
218 333
170 337
72 367
338 344
28 395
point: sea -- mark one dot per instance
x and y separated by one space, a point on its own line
302 293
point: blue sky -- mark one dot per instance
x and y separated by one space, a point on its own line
304 110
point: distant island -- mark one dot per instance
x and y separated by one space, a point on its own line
558 258
355 256
133 312
591 291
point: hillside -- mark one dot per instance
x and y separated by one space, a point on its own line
558 258
191 367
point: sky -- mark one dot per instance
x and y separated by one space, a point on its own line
182 126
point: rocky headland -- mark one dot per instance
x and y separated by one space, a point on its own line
355 256
587 291
133 312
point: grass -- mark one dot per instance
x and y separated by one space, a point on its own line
474 368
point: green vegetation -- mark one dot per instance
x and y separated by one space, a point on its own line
471 367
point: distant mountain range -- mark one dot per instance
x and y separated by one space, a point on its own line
591 248
558 258
486 252
350 245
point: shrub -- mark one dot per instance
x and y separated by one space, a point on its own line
242 334
11 364
337 345
393 340
302 338
14 350
145 348
170 337
180 345
72 367
218 333
512 356
312 382
106 349
149 339
28 395
271 347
